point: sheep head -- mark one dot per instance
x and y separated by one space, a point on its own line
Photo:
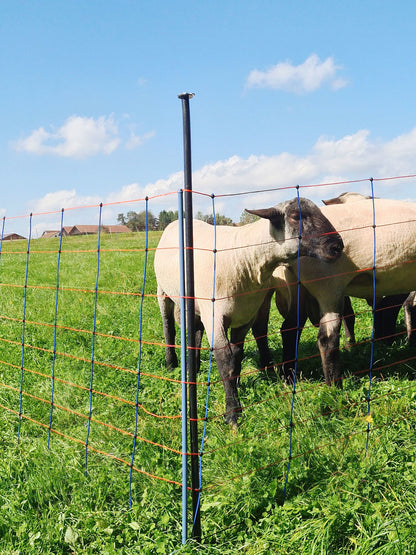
302 220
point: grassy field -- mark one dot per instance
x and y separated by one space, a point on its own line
340 496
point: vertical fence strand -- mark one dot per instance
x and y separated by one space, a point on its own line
370 377
55 326
2 234
139 364
93 340
24 327
184 385
211 353
292 406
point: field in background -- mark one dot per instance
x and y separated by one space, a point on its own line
338 500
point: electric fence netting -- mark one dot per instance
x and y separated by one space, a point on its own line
277 459
80 323
82 361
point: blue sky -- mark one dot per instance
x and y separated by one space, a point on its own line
286 93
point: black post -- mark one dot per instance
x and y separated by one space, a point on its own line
190 318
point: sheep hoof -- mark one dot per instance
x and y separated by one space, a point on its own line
234 427
233 419
349 344
269 373
172 362
334 382
287 375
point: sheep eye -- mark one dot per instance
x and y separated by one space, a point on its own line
295 216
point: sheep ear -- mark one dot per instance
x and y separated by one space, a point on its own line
267 213
331 201
275 216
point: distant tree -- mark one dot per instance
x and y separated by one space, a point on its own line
166 217
247 218
219 219
136 221
121 219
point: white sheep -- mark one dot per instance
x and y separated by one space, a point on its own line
387 307
352 273
245 259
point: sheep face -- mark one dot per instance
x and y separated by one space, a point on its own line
318 237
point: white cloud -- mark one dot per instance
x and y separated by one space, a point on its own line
53 202
330 160
304 78
138 140
79 137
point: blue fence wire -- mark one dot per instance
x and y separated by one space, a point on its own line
24 327
139 364
55 327
295 371
94 326
370 376
184 385
2 235
211 354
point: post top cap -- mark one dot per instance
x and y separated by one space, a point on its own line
184 95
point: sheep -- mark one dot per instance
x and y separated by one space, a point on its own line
285 282
352 273
386 308
245 259
287 291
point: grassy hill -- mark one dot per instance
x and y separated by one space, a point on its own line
341 496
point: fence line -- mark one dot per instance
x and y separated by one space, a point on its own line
41 349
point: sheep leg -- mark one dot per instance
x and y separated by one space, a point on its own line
237 336
228 356
294 321
167 311
385 316
328 343
348 321
291 330
409 308
199 332
260 329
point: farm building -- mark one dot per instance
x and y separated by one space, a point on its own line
12 237
71 230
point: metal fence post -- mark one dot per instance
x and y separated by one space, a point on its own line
190 318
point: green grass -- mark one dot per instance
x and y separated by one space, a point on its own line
339 499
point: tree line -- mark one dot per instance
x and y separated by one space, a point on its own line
136 221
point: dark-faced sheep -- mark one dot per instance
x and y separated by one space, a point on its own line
245 259
352 274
